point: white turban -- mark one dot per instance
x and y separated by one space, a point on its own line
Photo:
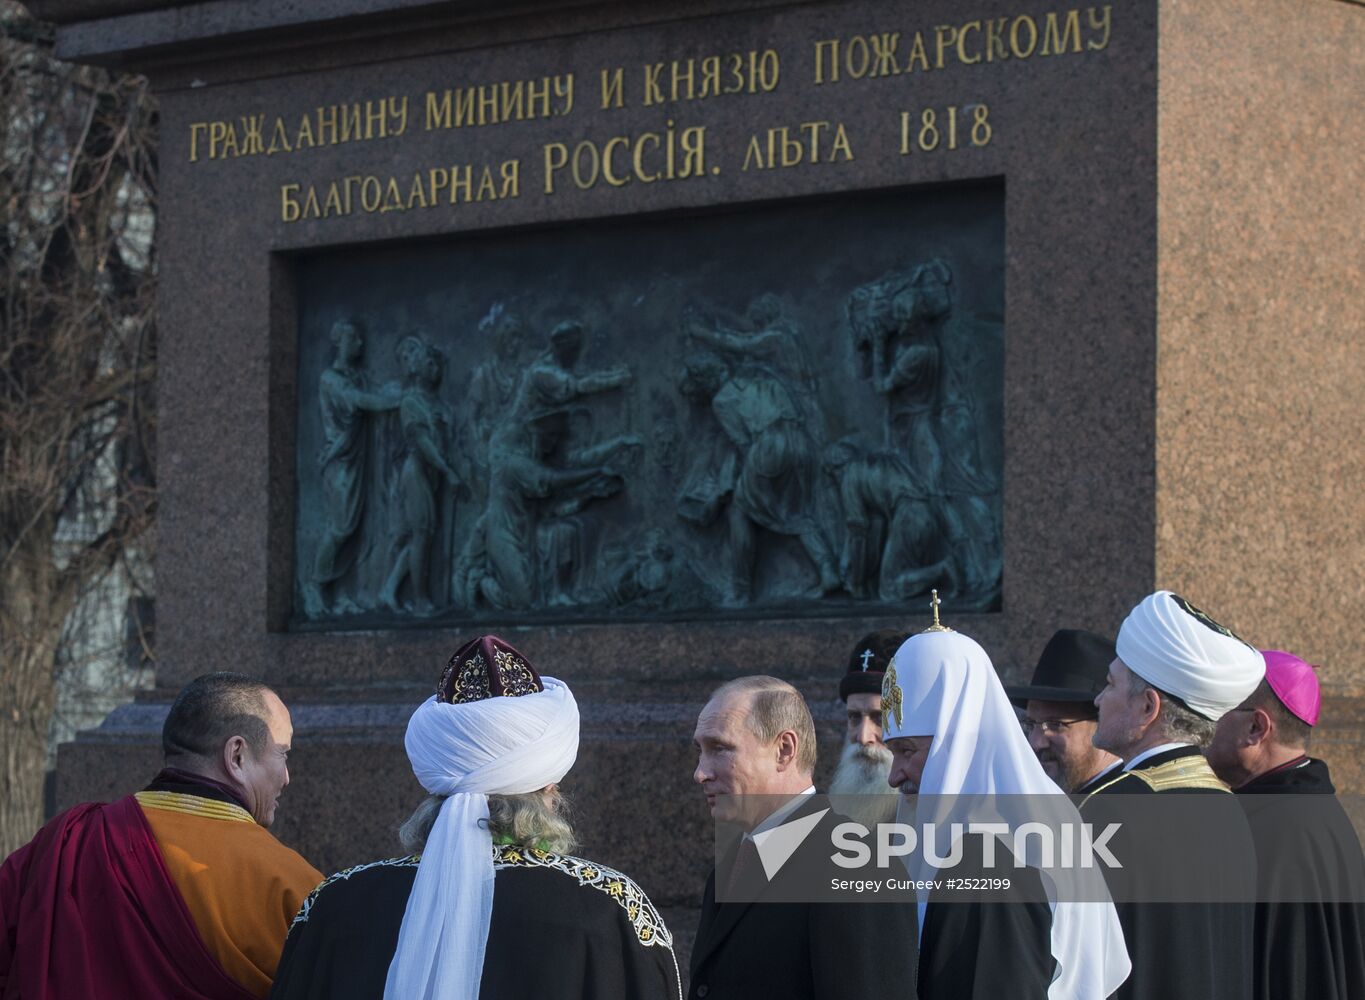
468 751
942 685
1176 647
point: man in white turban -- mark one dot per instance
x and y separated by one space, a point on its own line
1176 674
957 744
490 905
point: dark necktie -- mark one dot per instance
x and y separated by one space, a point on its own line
744 872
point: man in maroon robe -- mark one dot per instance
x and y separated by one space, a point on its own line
176 891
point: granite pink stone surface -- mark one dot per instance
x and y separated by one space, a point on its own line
1260 438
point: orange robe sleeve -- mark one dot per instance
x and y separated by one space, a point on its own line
241 885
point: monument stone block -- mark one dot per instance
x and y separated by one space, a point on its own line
671 343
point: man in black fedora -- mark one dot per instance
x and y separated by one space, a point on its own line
1059 709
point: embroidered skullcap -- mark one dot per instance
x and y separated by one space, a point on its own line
1295 683
1177 648
486 667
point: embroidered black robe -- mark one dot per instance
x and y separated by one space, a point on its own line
562 929
1196 950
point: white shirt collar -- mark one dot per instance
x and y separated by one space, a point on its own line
779 815
1128 765
1107 770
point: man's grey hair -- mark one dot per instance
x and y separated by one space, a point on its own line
1176 722
534 820
775 708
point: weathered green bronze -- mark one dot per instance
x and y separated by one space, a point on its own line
786 411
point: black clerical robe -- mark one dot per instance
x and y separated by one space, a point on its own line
1310 918
562 928
974 948
802 950
1181 950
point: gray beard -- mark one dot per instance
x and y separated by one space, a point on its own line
859 789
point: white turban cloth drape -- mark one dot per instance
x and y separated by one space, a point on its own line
466 752
1210 671
979 760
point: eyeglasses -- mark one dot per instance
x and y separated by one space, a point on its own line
1051 727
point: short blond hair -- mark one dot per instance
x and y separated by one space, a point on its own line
775 707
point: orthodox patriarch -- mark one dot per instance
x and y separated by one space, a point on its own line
957 745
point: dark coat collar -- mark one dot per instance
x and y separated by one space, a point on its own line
1308 774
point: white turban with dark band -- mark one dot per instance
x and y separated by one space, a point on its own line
1176 647
466 752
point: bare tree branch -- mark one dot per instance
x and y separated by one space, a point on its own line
77 370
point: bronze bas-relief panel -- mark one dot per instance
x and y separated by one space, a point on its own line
785 410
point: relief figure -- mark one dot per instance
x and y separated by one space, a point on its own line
898 324
493 383
946 434
500 562
344 401
426 480
560 533
550 382
895 531
643 576
764 471
773 342
536 476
